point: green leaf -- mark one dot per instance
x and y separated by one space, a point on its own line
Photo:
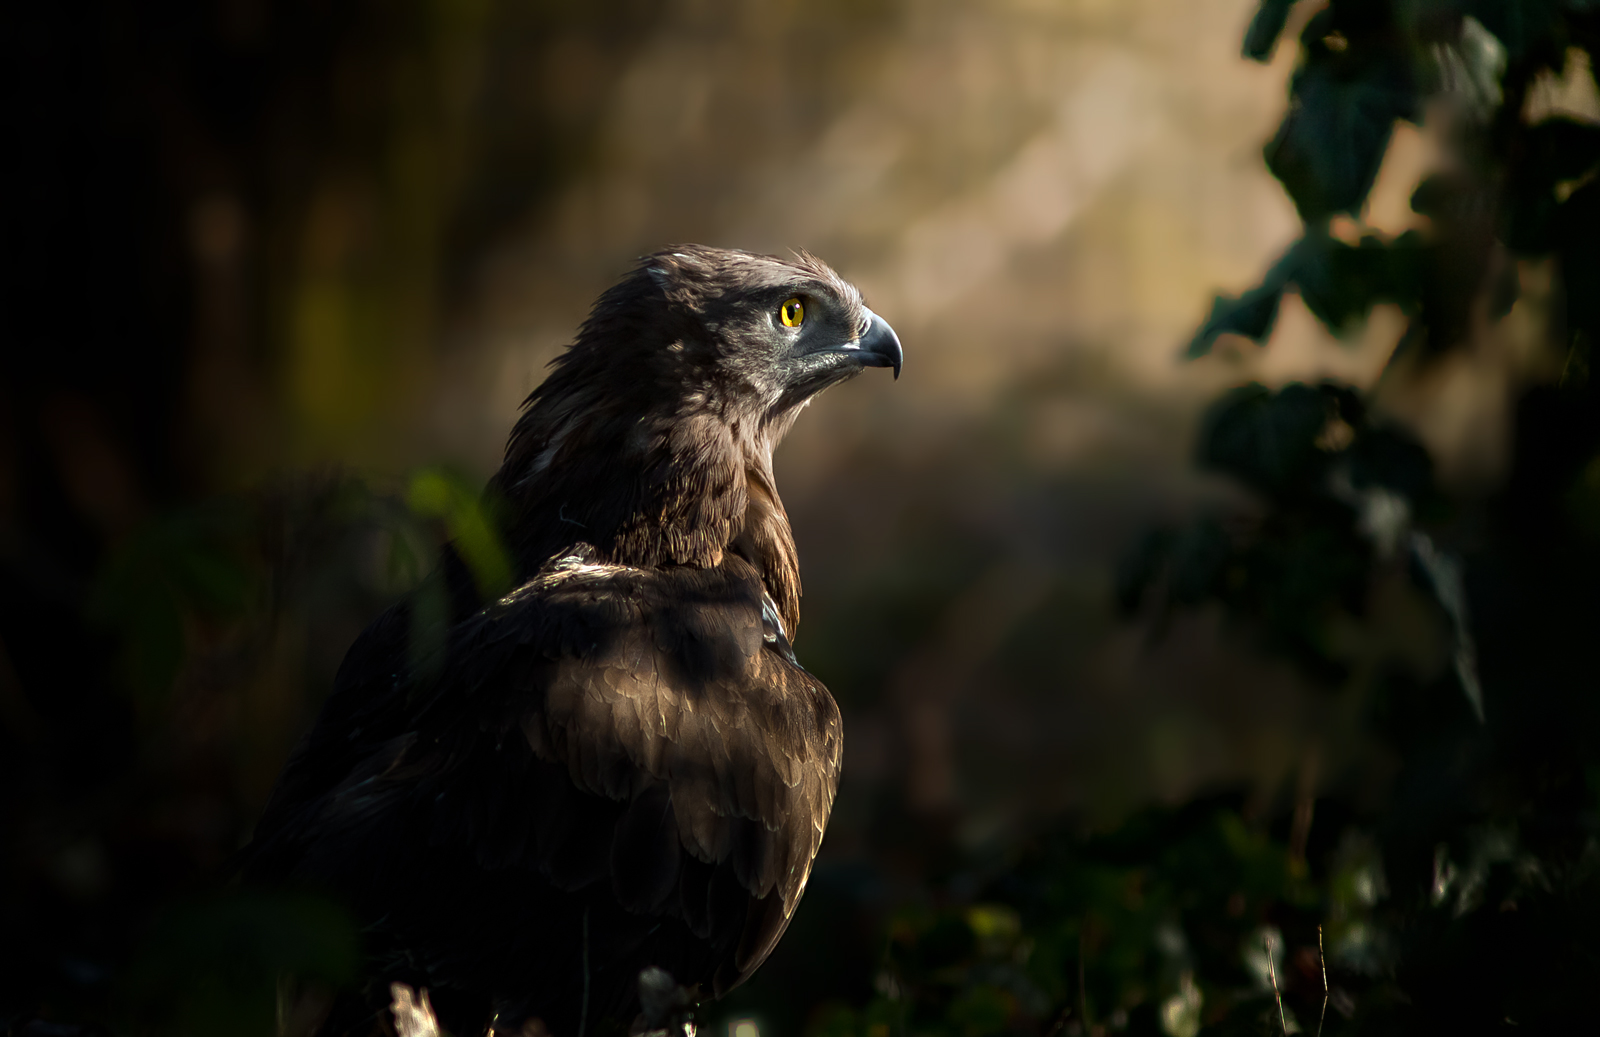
433 492
1340 283
1269 440
1342 112
437 493
1251 314
1265 28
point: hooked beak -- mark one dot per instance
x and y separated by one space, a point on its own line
876 346
880 346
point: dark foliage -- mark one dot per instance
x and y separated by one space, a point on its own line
1338 494
1489 842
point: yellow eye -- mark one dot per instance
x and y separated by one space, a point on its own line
792 313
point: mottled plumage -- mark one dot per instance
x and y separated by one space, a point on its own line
620 764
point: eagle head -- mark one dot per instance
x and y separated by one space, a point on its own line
769 334
652 437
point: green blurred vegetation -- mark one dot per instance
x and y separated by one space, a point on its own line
210 606
214 966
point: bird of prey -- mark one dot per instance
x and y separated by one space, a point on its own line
619 766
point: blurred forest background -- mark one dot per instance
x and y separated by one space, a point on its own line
1251 692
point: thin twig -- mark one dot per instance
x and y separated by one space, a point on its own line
1322 959
1272 971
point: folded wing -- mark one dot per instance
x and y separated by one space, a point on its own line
638 738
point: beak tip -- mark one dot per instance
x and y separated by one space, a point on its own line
881 341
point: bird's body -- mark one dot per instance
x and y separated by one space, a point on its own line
620 764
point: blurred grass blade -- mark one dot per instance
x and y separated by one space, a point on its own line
447 496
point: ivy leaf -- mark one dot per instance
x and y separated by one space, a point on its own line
1268 440
1343 107
1340 283
1251 314
1265 28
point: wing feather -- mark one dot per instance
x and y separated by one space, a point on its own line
640 731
